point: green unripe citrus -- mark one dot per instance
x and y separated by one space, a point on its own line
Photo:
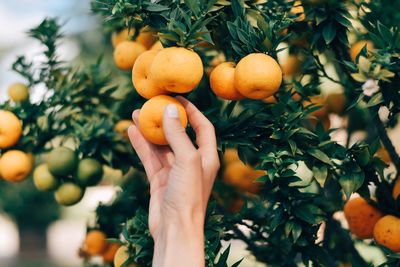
69 194
89 172
43 179
62 161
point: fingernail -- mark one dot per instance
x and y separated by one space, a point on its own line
172 111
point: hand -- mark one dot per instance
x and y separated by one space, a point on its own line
181 179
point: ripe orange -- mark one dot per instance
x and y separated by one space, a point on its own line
151 118
109 252
231 155
222 81
317 101
119 37
242 177
15 166
157 46
236 205
384 155
387 232
146 37
176 69
358 46
10 129
292 65
336 103
298 9
270 100
121 256
18 92
258 76
361 217
122 127
126 53
396 189
95 242
145 86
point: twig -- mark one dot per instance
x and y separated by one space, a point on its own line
325 74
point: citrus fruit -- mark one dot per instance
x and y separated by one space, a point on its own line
336 103
110 251
43 179
18 92
358 46
292 65
387 232
69 194
361 217
144 85
10 129
62 161
242 177
156 46
258 76
122 126
15 166
270 100
176 69
396 189
146 37
383 154
120 36
95 242
230 155
222 81
298 10
89 172
126 53
121 256
317 101
151 118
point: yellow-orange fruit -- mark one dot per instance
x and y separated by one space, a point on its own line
317 101
15 166
222 81
230 155
270 100
144 85
146 37
292 65
258 76
176 69
156 46
387 232
361 217
109 252
122 126
384 155
358 46
18 92
119 37
121 256
151 118
298 9
126 53
242 177
336 103
95 242
10 129
396 189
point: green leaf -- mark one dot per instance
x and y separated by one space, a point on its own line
351 182
318 154
329 33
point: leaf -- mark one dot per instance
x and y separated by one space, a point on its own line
375 100
329 33
359 77
305 213
318 154
193 6
351 182
153 7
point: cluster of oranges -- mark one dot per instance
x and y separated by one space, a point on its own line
68 176
366 221
96 244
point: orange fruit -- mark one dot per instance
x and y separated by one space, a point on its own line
336 103
384 155
361 217
298 9
126 53
122 127
222 81
231 155
95 242
236 205
145 86
270 100
176 69
109 252
146 37
387 232
258 76
10 129
317 101
119 37
358 46
151 118
396 189
18 92
292 65
15 166
121 256
157 46
242 177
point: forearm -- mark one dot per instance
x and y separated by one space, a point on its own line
179 246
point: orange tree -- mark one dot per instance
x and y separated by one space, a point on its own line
307 177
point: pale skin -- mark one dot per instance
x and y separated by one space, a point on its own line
181 177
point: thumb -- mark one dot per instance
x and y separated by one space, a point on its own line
174 132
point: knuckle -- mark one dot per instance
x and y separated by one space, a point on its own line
193 157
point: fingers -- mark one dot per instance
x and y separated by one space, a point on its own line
205 133
145 151
176 135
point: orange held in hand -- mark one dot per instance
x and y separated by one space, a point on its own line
151 118
95 242
15 166
126 53
258 76
387 232
10 129
361 217
176 69
145 86
222 81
